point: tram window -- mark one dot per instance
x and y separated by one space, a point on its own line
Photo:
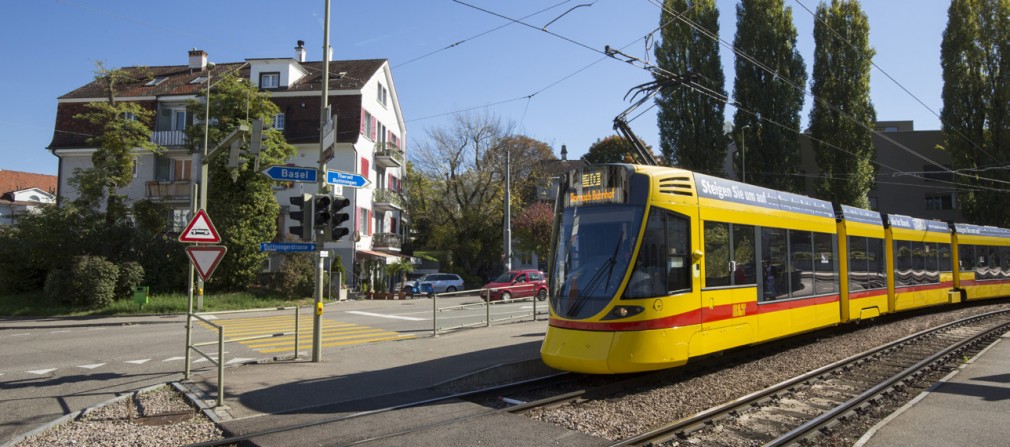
1005 261
773 264
944 256
663 266
981 262
744 253
876 264
717 254
825 273
903 264
859 271
966 257
801 267
918 262
995 268
932 268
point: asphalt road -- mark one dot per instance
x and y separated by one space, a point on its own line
55 366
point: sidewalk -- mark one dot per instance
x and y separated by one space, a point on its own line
370 376
972 406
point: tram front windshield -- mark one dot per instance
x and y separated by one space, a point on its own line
594 248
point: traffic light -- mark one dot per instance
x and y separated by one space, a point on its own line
337 218
321 215
303 215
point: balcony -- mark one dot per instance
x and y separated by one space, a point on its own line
387 155
169 138
168 191
386 200
387 241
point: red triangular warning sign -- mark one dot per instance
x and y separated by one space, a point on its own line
200 230
206 258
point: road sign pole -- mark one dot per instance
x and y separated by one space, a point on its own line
324 119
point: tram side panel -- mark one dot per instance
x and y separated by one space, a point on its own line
983 255
919 260
863 271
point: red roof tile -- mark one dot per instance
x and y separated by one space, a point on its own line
11 181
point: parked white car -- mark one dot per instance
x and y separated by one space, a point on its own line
439 283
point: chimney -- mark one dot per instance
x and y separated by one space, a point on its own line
197 60
300 51
564 153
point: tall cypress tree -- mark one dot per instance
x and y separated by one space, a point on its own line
765 33
842 120
975 56
691 123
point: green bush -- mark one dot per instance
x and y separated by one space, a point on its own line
130 275
92 281
57 288
295 278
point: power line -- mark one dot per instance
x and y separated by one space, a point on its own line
803 90
895 81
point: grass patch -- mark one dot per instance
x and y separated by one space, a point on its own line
36 305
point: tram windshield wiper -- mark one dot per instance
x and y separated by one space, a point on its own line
596 279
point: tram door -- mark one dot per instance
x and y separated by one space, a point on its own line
730 280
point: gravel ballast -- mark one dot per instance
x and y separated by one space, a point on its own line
161 416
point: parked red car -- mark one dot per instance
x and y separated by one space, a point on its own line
517 284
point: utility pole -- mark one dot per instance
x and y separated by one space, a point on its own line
317 320
508 212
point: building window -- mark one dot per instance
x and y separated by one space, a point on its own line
941 201
270 80
156 81
279 121
179 120
380 135
129 116
198 80
383 93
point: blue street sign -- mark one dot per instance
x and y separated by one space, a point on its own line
346 179
287 247
291 174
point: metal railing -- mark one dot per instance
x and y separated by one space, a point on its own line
386 240
219 361
169 137
389 149
178 189
485 303
387 196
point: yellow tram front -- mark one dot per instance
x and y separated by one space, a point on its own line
655 265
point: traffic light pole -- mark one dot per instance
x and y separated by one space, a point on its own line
317 320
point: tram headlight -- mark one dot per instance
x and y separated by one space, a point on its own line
619 312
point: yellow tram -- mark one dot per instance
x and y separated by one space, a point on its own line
653 266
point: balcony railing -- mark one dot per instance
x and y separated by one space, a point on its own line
387 200
387 241
168 190
388 155
169 137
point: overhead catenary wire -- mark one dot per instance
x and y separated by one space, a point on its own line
895 81
803 90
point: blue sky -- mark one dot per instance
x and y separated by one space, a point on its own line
51 47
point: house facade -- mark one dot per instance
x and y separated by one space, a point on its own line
24 192
368 127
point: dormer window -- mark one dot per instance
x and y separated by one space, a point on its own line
270 80
156 81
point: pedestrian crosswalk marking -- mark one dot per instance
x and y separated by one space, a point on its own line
334 333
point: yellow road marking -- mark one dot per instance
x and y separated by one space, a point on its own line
335 333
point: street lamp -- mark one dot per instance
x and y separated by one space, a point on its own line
743 154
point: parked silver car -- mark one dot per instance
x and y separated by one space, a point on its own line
439 283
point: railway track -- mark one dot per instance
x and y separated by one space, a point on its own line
806 409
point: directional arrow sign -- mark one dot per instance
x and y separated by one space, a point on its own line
291 174
346 179
200 230
206 258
